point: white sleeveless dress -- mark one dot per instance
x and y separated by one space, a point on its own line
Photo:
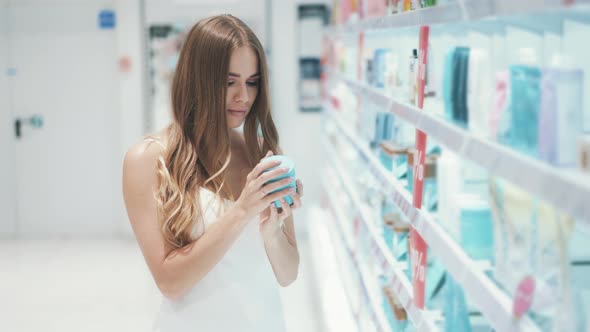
239 294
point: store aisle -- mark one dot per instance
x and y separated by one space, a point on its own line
99 285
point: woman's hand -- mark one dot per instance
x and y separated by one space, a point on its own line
271 219
255 195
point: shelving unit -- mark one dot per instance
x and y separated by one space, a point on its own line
494 304
569 190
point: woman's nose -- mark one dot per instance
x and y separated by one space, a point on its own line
242 95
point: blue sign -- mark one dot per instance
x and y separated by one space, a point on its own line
107 19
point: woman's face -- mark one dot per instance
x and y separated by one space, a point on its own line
242 85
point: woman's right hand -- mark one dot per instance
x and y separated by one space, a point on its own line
255 195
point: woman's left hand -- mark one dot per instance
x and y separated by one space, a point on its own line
271 219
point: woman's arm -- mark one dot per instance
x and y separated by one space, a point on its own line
174 271
281 247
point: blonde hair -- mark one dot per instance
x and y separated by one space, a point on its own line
198 144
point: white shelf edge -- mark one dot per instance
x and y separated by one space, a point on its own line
399 280
493 302
457 12
377 312
568 190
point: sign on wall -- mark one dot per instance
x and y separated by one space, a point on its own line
107 19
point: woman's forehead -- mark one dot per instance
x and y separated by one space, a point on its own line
243 62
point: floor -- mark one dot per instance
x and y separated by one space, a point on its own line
103 285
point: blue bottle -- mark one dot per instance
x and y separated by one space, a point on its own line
290 164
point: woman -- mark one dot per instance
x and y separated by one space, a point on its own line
197 197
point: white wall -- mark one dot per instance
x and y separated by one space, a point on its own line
131 44
123 133
7 185
299 132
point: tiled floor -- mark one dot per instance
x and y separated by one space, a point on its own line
69 285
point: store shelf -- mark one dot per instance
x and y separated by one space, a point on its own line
494 304
456 12
569 189
398 279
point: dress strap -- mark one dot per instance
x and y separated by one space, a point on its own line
156 140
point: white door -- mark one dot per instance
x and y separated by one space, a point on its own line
7 184
65 72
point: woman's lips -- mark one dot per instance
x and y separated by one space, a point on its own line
237 112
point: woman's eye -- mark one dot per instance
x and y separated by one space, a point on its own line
230 83
252 83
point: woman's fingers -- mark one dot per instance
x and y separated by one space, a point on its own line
270 187
270 175
296 201
273 211
300 188
278 195
261 167
286 209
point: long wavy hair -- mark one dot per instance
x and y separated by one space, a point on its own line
197 151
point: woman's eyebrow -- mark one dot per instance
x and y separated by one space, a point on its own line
238 75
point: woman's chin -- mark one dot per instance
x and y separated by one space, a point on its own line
234 124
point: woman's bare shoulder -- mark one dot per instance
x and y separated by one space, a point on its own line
144 154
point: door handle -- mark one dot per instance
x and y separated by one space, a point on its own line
35 121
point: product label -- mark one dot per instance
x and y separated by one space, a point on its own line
418 250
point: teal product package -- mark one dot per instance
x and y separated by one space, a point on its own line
460 81
477 231
435 279
455 81
456 313
448 83
524 108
